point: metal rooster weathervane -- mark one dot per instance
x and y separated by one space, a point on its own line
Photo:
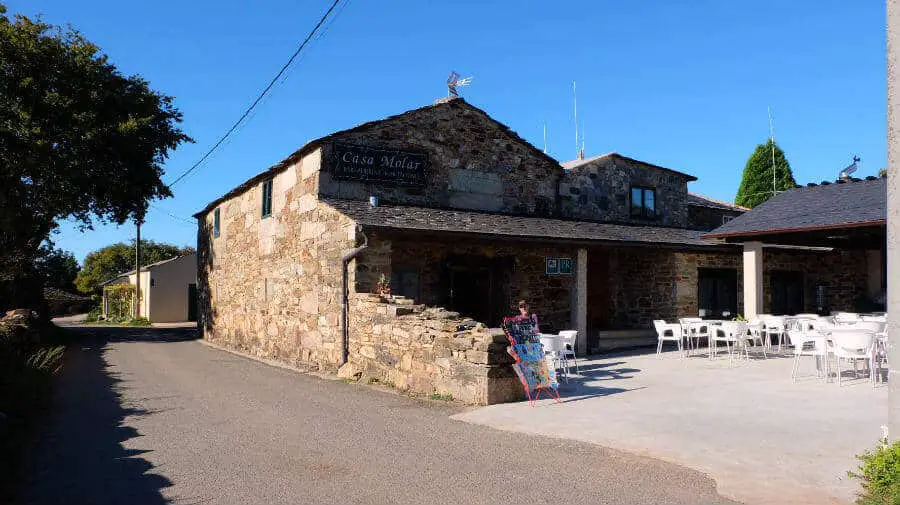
453 81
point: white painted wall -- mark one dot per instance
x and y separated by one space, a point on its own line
168 300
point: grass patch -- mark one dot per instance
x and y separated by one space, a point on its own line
443 398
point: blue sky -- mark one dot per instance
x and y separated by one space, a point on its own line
685 86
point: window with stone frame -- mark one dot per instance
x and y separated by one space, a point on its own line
726 218
216 223
643 202
266 198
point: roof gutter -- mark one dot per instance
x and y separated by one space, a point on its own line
345 301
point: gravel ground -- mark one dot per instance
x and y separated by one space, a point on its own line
147 415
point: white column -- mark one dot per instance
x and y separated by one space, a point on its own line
581 301
753 279
893 214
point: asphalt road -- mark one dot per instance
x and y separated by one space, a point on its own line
148 416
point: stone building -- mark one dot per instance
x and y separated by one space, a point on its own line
460 217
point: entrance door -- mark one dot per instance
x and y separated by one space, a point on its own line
192 302
787 292
478 288
717 293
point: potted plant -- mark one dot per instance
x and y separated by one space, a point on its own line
383 287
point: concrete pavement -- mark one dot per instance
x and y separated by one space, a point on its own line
148 416
764 438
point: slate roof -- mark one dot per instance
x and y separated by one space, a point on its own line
148 267
705 201
568 165
426 219
837 205
313 144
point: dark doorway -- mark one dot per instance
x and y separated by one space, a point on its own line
717 293
192 302
787 292
599 308
478 287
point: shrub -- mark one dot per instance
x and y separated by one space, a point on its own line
93 316
139 321
879 475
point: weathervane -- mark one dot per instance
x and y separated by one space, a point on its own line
453 81
845 173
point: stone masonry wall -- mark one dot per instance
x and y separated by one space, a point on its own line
523 271
642 286
473 163
708 218
601 191
429 351
270 286
843 272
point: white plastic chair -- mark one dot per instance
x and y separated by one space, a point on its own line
693 329
567 348
552 345
809 343
754 335
775 326
732 333
846 317
668 331
855 345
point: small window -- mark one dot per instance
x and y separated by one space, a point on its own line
726 218
267 198
152 282
643 202
216 223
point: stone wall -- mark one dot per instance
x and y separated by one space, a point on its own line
601 191
473 163
429 351
843 272
518 269
701 217
643 286
270 287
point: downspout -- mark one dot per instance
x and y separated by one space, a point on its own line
345 300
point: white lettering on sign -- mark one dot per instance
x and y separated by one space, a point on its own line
385 166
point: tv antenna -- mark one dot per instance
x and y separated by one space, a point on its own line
845 173
453 81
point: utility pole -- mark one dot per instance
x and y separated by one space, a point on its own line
893 216
137 271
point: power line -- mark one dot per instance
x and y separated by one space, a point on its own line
261 95
173 216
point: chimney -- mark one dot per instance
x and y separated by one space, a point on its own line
581 154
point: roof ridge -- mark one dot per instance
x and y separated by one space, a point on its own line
722 202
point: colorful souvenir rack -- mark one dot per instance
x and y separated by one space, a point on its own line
531 367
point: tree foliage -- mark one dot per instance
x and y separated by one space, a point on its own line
756 185
56 268
111 261
78 139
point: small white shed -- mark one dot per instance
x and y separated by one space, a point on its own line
169 287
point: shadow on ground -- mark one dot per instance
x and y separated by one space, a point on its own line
77 454
593 380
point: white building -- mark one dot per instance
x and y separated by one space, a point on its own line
169 287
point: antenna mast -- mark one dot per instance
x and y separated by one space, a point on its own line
545 137
575 97
772 139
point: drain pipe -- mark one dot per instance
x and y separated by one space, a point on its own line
345 300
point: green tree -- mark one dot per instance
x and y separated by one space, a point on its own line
111 261
56 268
78 140
756 185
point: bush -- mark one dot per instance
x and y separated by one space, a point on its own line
879 475
93 316
138 321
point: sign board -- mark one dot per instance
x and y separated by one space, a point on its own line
560 266
383 166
